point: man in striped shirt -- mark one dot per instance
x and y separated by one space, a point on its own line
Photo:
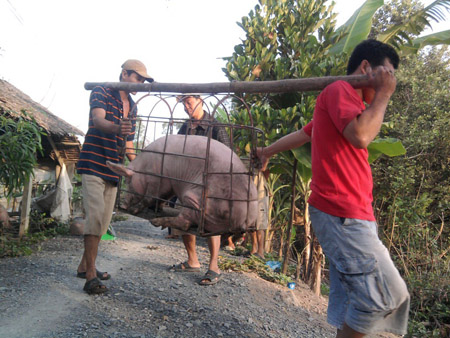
109 138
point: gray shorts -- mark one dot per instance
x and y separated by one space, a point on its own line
99 197
366 290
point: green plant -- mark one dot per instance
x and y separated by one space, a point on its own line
324 289
20 140
29 243
119 218
257 265
40 222
297 39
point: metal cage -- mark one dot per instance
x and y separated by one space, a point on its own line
147 126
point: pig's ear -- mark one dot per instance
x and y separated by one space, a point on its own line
120 169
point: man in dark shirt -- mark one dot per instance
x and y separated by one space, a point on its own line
200 123
110 130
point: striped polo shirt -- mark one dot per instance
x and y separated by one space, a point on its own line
98 146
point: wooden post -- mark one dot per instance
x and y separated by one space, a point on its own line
58 158
26 204
287 246
280 86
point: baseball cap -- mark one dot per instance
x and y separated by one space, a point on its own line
138 67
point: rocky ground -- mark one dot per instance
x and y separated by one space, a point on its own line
41 297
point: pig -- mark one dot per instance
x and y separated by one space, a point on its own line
221 215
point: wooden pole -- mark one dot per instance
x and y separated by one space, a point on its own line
26 207
280 86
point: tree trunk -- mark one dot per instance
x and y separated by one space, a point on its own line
280 251
26 203
307 249
287 247
316 267
307 242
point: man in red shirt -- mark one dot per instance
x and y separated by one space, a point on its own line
367 294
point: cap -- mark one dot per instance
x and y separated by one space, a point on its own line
138 67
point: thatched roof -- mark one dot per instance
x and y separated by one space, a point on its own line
13 102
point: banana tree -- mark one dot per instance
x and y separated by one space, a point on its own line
297 39
403 36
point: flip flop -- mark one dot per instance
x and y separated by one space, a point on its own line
210 278
100 275
184 267
94 287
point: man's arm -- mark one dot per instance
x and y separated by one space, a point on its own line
101 123
288 142
223 137
130 150
363 129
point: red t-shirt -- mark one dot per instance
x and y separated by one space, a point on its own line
341 176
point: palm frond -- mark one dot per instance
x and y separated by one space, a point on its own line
440 38
400 35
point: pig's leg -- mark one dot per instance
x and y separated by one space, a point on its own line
187 216
179 222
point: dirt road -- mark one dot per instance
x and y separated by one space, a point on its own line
41 297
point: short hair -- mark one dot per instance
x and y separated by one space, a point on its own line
373 51
129 72
182 97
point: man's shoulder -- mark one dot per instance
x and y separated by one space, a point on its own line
339 88
105 91
207 116
339 85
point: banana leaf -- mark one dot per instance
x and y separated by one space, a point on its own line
387 146
357 28
440 38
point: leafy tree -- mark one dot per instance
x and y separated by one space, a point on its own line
20 140
400 30
285 39
295 39
412 192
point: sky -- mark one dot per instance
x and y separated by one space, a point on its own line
50 48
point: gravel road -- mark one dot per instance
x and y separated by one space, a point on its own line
40 295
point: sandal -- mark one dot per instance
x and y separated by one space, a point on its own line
94 287
210 278
100 275
183 267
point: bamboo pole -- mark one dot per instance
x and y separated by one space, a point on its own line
280 86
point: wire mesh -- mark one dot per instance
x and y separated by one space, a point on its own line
159 116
